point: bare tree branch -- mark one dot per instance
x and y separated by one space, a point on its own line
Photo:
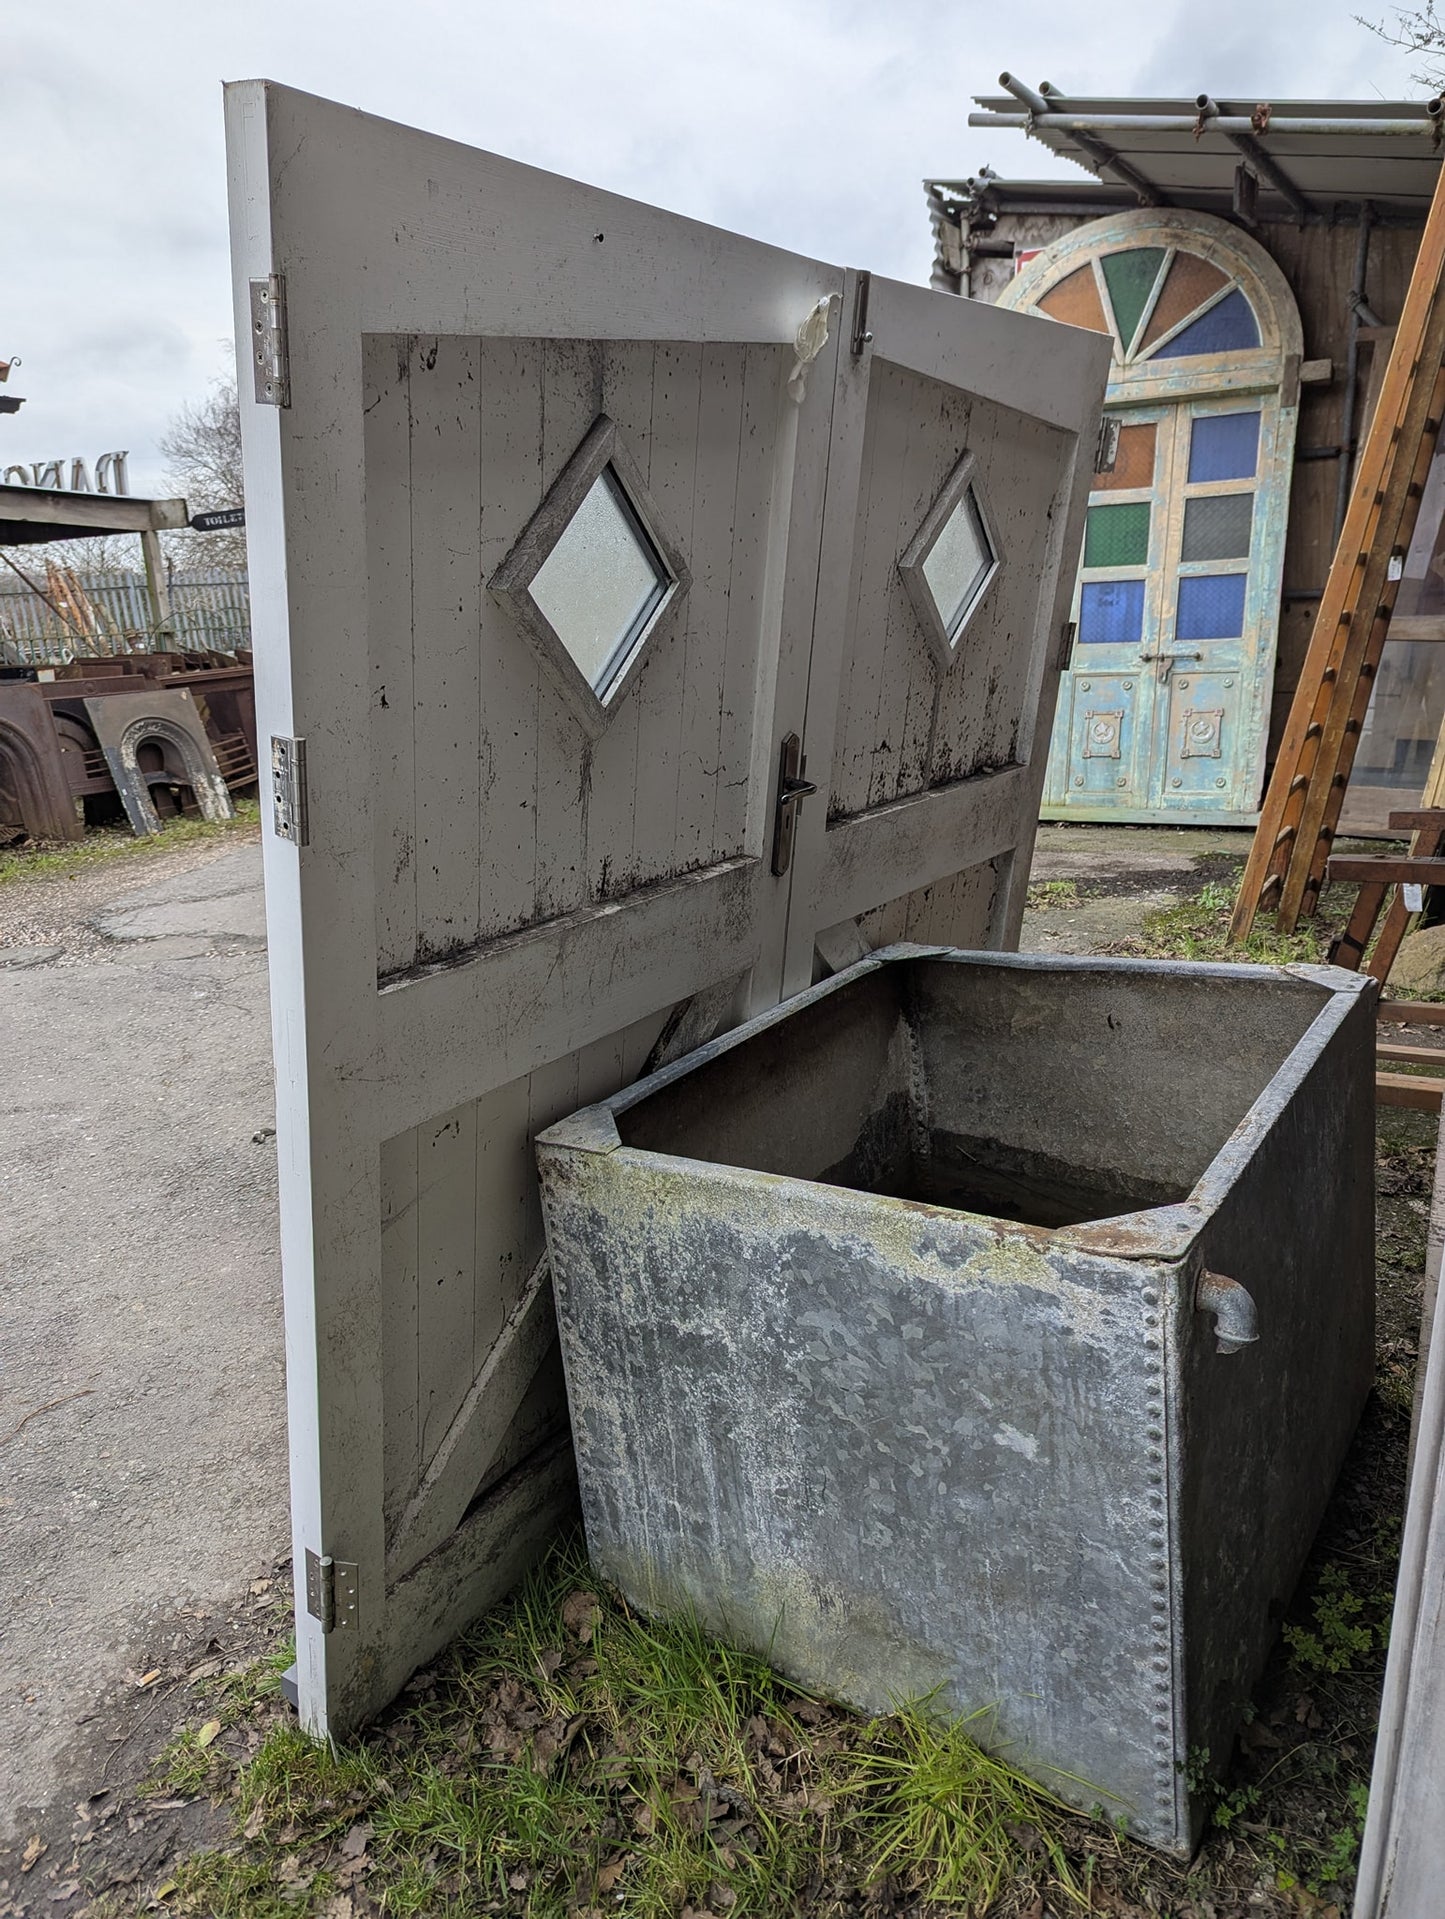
202 446
1418 30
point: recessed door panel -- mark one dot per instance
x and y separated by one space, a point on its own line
1102 718
1201 747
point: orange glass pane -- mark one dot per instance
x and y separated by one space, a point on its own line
1191 281
1134 461
1076 302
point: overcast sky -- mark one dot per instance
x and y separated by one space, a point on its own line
809 123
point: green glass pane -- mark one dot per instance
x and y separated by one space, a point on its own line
1130 279
1117 535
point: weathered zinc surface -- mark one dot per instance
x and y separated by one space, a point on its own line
889 1326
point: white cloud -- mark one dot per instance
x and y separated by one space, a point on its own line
809 123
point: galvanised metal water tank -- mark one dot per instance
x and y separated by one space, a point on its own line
987 1327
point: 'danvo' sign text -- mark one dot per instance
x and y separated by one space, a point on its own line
73 476
218 521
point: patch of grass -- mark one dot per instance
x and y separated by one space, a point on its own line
1051 895
294 1777
570 1757
241 1885
1197 928
933 1805
101 845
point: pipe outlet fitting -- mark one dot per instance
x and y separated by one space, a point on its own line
1236 1319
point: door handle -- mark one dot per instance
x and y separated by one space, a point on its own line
793 789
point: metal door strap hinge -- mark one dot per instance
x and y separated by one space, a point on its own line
290 802
793 788
270 350
331 1586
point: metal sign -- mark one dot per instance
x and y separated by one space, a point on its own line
110 475
218 521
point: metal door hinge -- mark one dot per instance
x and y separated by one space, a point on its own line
860 336
793 789
270 351
1106 448
290 803
331 1586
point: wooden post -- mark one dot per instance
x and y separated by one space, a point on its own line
155 566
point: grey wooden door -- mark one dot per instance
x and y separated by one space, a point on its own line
535 534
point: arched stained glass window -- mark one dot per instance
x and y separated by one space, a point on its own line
1163 714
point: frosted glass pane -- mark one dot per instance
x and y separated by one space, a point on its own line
958 563
600 581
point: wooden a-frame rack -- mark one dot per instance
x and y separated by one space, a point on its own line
1287 861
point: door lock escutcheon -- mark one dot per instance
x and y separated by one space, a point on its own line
793 789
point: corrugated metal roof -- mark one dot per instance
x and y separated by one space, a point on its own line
1328 153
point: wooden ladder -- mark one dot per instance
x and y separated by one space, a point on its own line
1286 865
1378 876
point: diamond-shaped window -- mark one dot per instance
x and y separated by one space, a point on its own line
592 578
950 562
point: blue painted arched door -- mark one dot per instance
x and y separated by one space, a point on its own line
1164 713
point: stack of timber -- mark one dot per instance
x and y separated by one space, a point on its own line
1286 866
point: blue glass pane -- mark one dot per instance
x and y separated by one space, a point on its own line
1111 612
1224 446
1211 607
1226 326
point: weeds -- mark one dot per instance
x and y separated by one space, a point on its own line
1197 928
1349 1627
1044 895
102 845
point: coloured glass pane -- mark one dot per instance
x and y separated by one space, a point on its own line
600 582
1117 535
1133 460
1130 278
1211 607
1223 446
1075 301
1190 282
1225 328
958 563
1218 527
1111 612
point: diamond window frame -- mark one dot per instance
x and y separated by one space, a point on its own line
601 448
947 647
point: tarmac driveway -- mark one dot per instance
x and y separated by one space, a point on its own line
142 1420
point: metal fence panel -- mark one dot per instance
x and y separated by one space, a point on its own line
210 611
